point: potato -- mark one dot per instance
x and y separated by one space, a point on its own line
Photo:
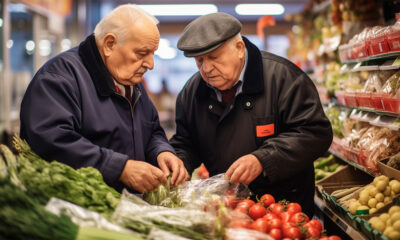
372 203
396 225
393 209
381 186
378 224
395 186
387 230
384 216
380 205
379 197
395 217
387 191
373 191
372 210
387 200
364 197
353 207
394 235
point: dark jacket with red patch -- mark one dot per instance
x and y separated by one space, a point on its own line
278 117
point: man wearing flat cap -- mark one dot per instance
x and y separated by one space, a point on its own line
248 113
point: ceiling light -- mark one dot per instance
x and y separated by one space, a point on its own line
179 9
260 9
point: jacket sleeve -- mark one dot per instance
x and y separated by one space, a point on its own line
50 122
182 141
158 142
305 133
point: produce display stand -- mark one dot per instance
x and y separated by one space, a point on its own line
340 222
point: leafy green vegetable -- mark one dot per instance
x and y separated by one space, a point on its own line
22 217
164 196
84 187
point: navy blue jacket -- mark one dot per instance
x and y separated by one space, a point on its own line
72 113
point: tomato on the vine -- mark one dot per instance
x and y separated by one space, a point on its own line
244 210
292 232
311 231
257 211
334 237
275 233
240 223
230 201
285 216
267 199
260 225
276 208
275 223
245 203
293 208
315 223
270 215
299 218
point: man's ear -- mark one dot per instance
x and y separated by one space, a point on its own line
109 43
241 48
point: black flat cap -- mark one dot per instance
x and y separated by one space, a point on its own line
207 33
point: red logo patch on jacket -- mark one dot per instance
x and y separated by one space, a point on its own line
265 130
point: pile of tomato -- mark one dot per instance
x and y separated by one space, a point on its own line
280 220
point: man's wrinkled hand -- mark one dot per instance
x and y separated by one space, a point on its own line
244 170
142 176
168 163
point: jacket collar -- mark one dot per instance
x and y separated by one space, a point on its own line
253 76
93 62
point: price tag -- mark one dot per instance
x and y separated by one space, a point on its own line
396 62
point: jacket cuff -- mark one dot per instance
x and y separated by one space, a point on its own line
112 169
160 148
270 169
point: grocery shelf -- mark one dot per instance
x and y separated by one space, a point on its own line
390 114
342 224
354 164
374 57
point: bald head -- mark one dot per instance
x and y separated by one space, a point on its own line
122 20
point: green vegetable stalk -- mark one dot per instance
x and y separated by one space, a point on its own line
84 187
164 196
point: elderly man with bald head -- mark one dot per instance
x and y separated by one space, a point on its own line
88 107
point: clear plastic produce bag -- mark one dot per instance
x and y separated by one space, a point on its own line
81 216
245 234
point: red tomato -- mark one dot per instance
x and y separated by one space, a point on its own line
275 233
323 238
285 216
270 215
292 232
311 231
230 201
316 224
275 223
334 237
293 208
229 191
260 225
246 203
276 208
244 210
299 218
240 223
267 199
287 225
257 211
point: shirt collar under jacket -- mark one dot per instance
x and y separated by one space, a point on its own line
121 88
239 81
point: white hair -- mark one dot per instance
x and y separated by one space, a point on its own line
119 20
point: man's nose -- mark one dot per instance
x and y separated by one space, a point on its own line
148 62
